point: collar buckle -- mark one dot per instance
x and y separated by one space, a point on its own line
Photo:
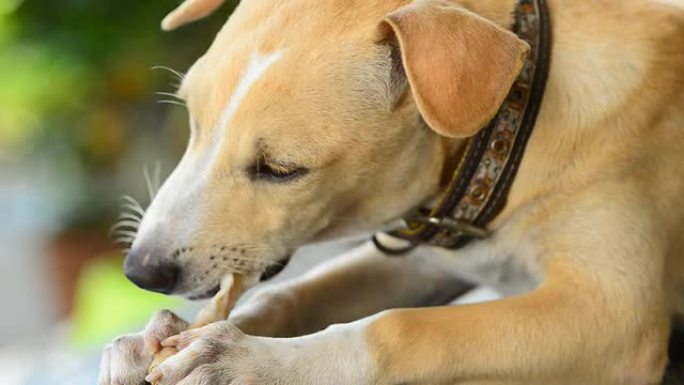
457 227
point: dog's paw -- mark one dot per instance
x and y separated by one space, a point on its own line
222 354
126 360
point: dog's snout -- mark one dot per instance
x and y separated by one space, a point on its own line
145 272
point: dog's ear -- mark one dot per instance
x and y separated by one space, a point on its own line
190 11
459 66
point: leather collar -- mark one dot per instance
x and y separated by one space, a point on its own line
479 186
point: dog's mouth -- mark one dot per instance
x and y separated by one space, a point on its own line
270 272
206 295
275 269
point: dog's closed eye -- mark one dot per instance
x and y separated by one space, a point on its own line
275 172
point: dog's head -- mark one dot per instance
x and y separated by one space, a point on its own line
313 118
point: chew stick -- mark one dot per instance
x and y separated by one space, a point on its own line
232 287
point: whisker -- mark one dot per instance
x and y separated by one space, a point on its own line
117 229
124 241
135 209
125 228
130 199
179 75
148 182
129 216
126 224
176 86
157 178
174 102
171 95
126 233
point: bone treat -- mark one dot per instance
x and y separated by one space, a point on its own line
232 287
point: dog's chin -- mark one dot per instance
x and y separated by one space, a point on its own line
266 275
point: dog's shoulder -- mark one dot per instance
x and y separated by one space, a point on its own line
612 58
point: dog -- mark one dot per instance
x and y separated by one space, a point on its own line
317 119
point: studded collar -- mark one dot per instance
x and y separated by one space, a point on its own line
479 186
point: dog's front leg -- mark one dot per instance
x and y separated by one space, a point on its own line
349 287
575 329
564 333
346 288
599 317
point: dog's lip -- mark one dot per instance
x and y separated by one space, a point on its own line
275 269
206 295
267 274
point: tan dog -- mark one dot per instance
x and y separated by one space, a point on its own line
307 124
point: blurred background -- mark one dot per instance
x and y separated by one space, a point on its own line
81 116
83 112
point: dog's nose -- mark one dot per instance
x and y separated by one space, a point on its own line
153 276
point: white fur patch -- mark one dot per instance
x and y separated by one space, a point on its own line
257 67
506 265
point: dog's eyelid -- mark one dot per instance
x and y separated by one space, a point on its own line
278 162
268 170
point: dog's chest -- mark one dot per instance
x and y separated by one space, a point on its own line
510 268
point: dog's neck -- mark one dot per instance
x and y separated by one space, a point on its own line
452 151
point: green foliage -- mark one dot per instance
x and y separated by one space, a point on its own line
34 86
76 82
108 305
